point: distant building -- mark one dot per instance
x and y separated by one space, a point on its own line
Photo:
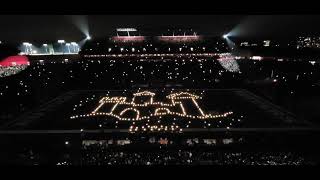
266 43
308 42
244 44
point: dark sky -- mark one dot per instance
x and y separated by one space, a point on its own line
33 28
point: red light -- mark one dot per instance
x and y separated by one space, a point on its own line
128 38
14 60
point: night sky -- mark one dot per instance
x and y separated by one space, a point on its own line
41 28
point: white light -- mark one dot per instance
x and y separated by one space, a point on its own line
88 38
45 44
25 43
74 43
68 44
175 96
256 58
66 143
225 36
126 29
61 41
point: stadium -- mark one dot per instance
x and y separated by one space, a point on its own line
176 98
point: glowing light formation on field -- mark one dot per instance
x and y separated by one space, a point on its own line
143 107
228 62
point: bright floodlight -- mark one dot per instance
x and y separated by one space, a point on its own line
27 44
61 41
73 43
88 38
225 36
45 44
68 44
126 29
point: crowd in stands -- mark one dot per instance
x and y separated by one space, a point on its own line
154 47
44 80
11 70
100 155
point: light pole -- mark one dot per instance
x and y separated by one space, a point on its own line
68 45
76 48
30 47
74 44
46 47
61 42
26 47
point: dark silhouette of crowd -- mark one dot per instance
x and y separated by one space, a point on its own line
44 80
97 154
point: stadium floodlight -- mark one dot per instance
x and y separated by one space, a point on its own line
46 47
27 47
126 29
225 36
88 37
68 45
74 45
61 41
